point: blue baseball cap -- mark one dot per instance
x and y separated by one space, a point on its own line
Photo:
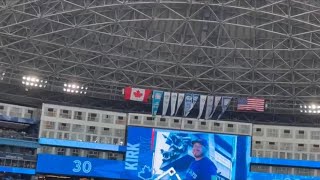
200 141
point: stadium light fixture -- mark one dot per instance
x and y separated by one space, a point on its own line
2 75
74 88
310 109
33 81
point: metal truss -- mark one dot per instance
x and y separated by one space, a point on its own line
261 48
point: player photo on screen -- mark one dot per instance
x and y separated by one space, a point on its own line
193 155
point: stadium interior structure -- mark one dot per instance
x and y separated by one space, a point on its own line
236 48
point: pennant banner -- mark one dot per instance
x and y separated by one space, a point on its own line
188 102
165 105
201 105
180 100
156 98
195 98
173 103
209 107
216 103
224 104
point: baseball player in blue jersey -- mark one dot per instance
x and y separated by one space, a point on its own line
202 168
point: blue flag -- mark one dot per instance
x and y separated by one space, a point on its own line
156 98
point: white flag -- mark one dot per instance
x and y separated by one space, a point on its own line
180 100
209 107
165 105
224 104
174 97
201 105
188 104
216 102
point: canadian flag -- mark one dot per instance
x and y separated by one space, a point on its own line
136 94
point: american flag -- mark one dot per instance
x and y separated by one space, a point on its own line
250 104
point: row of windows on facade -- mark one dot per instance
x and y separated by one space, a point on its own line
286 170
286 155
81 128
82 153
203 123
119 140
188 124
78 115
16 112
286 133
188 121
284 146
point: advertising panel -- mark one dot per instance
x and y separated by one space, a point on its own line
80 166
171 154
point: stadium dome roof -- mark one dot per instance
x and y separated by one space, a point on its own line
261 48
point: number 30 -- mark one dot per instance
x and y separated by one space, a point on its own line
86 166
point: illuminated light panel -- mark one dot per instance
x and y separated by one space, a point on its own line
33 81
74 88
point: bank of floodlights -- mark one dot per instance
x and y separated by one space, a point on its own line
2 75
310 109
34 81
74 88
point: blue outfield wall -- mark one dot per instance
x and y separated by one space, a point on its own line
80 166
17 170
83 145
93 167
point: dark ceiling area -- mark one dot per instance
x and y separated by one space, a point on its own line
252 48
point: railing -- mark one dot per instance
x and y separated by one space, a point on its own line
286 147
3 112
106 133
313 149
15 114
257 133
76 129
17 163
17 156
67 116
286 135
272 134
119 134
50 114
257 146
78 117
94 119
92 131
272 147
304 149
64 128
301 136
16 135
121 121
49 126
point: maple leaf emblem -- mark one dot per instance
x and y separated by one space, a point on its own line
145 173
137 94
